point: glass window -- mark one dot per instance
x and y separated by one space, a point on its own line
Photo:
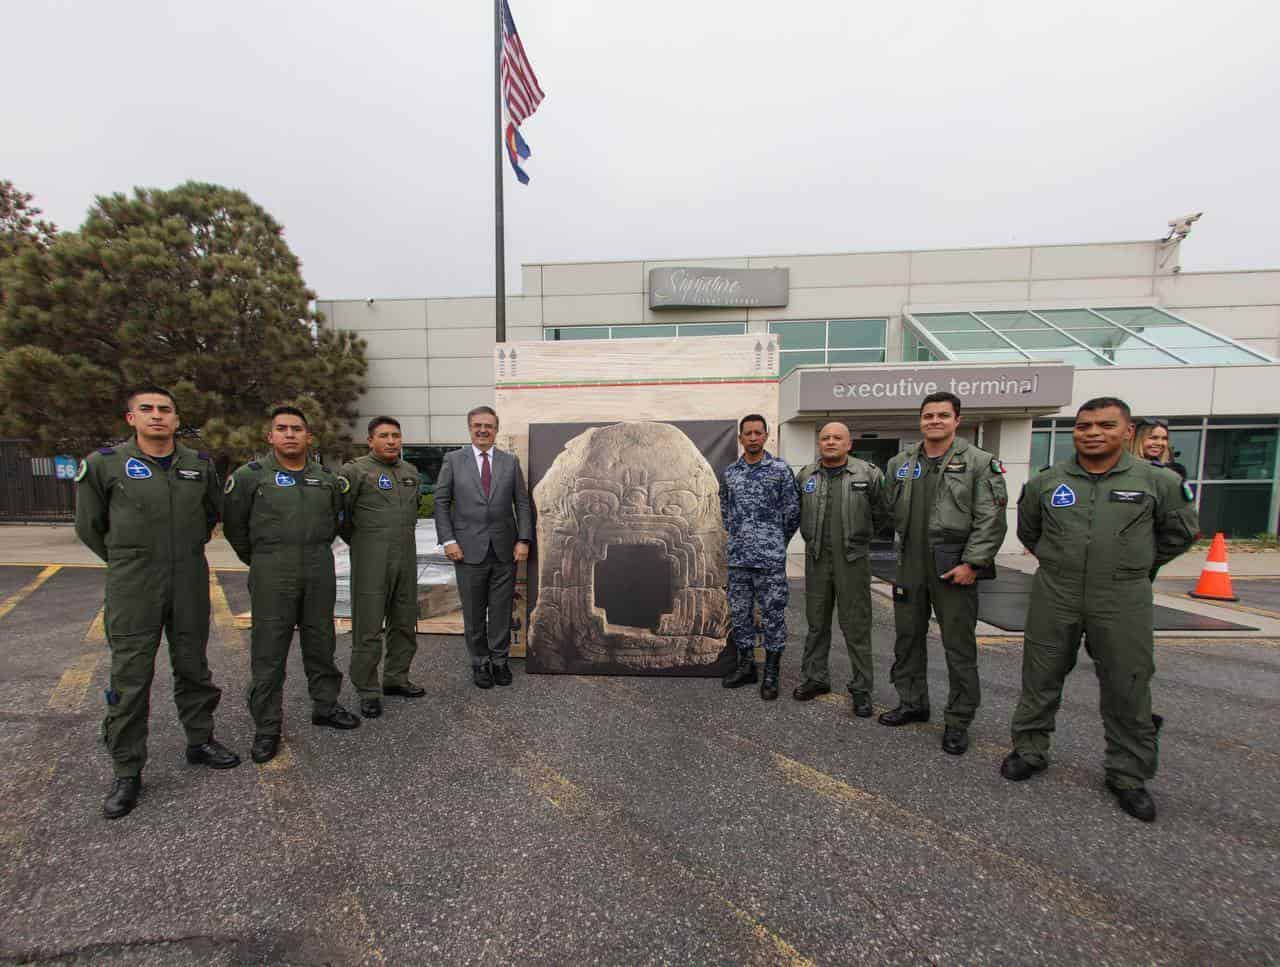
1238 510
564 333
855 356
855 334
1240 454
964 342
1140 357
1064 446
1045 338
1108 338
1185 445
644 332
1175 337
800 335
428 460
1243 421
1217 355
1040 450
1140 318
1074 319
789 361
937 322
991 356
1081 358
712 329
1006 321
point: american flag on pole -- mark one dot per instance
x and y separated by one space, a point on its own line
521 93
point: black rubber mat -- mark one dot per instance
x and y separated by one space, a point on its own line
1003 602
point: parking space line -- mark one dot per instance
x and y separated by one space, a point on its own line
1037 879
97 632
303 825
15 599
223 619
563 793
68 695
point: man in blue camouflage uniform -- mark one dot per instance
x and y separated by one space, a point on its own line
761 511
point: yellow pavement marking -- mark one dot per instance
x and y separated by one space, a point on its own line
97 632
563 793
301 827
15 599
69 693
1037 879
223 619
785 953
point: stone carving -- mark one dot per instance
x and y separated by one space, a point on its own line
644 492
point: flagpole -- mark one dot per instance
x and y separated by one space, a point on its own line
500 269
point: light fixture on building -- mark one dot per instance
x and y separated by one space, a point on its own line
1180 228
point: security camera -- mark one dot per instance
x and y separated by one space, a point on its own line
1180 228
369 301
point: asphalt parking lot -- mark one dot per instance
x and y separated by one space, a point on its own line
573 819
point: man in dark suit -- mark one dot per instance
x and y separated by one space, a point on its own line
485 522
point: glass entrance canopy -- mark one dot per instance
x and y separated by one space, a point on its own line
1125 336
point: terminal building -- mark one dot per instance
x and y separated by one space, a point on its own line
1022 334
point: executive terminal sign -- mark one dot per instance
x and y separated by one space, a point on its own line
691 288
902 387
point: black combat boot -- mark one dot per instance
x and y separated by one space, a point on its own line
744 673
123 797
769 685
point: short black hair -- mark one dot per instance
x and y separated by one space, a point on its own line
378 421
1102 402
753 418
942 396
290 411
147 388
482 409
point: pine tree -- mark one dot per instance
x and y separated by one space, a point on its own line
194 289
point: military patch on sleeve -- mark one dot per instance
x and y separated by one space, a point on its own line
81 470
344 484
997 466
230 484
1188 494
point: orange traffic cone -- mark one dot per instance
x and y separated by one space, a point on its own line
1215 579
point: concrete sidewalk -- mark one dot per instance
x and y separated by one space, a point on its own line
58 544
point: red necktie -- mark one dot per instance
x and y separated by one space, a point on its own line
486 475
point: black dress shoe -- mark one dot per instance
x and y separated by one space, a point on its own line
502 674
1136 802
955 740
407 690
338 718
482 675
123 797
213 754
862 706
1017 769
905 715
370 708
807 691
264 748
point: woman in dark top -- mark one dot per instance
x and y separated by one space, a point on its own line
1151 443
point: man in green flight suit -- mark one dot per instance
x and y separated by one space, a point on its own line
842 505
147 508
1100 525
280 515
949 508
380 513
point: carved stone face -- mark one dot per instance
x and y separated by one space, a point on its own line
631 565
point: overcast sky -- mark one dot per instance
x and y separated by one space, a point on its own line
671 128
